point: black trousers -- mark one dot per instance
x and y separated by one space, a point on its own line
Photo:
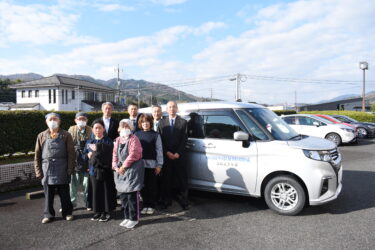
130 203
150 189
49 194
103 194
174 182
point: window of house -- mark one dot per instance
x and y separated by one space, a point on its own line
62 96
54 96
73 95
30 94
49 96
36 93
66 96
23 94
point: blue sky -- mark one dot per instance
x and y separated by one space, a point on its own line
311 47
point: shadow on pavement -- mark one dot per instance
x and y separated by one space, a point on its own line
358 193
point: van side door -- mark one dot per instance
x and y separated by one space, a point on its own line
227 166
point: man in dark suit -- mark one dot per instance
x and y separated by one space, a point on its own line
134 115
111 125
173 131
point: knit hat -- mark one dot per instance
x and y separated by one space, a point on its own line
81 114
128 121
52 114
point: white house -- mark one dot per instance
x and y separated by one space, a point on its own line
61 93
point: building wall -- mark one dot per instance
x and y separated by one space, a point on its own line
64 99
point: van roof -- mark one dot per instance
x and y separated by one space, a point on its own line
206 105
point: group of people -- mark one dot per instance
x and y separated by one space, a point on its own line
135 159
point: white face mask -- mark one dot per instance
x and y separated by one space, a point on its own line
125 132
81 124
53 124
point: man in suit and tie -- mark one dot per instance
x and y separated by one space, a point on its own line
134 116
111 125
173 131
156 114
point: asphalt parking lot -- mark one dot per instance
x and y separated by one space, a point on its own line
214 221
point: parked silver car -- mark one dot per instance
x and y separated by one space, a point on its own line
246 149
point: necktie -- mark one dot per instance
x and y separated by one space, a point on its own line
172 125
134 124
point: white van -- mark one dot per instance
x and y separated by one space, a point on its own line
246 149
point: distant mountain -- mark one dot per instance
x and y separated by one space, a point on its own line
344 97
23 77
149 91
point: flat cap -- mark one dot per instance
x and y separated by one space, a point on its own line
81 114
52 114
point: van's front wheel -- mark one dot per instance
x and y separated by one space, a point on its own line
285 195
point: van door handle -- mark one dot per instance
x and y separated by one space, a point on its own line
190 144
209 145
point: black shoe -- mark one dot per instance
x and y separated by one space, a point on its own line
105 217
185 206
96 217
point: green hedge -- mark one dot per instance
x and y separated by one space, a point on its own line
359 116
19 129
285 112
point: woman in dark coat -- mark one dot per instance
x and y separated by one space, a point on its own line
99 153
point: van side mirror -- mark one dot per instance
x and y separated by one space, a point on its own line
240 136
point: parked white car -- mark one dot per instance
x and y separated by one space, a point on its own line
246 149
312 125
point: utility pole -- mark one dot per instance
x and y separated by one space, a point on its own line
138 95
211 94
238 78
295 100
118 81
363 66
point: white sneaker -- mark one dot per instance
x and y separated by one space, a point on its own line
122 224
144 210
150 210
60 210
46 220
69 217
131 224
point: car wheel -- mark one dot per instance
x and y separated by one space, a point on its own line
334 137
285 195
362 132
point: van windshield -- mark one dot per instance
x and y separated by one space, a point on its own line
279 129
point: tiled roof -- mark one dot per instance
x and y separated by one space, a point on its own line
57 80
25 105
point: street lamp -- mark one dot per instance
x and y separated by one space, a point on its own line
363 66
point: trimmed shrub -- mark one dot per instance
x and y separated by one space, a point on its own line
285 112
359 116
19 129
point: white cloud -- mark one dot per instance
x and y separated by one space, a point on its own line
303 39
144 52
113 7
38 24
168 2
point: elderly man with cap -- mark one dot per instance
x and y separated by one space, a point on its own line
54 164
80 132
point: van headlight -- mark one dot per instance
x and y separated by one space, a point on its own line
318 155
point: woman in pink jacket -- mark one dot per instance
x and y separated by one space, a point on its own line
129 171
